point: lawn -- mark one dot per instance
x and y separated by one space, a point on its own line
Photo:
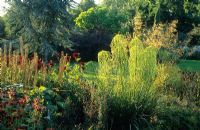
189 65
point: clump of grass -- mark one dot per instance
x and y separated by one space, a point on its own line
127 90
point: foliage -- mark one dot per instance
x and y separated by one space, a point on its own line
95 29
53 96
18 110
174 113
127 84
101 19
193 37
159 11
2 27
189 65
161 36
191 87
140 83
169 79
42 25
86 4
130 76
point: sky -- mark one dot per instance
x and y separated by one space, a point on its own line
3 5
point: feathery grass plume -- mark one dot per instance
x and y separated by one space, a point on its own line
164 36
62 65
138 25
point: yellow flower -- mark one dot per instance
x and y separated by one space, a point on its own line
42 88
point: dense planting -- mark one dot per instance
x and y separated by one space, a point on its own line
120 65
127 89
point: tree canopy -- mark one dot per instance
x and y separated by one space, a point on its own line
2 27
42 24
100 18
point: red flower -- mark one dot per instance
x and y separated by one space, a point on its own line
75 55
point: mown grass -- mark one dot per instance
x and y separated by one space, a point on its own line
189 65
185 65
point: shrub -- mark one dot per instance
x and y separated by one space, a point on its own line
191 87
168 79
173 113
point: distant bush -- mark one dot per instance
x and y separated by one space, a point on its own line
173 113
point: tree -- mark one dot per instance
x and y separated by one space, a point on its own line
83 6
187 12
2 27
42 24
96 28
86 4
100 19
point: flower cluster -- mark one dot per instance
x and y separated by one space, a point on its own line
15 104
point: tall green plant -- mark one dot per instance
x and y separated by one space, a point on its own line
126 77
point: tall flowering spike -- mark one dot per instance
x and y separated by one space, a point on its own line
105 71
119 50
75 55
135 48
61 66
163 36
1 63
137 24
104 59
